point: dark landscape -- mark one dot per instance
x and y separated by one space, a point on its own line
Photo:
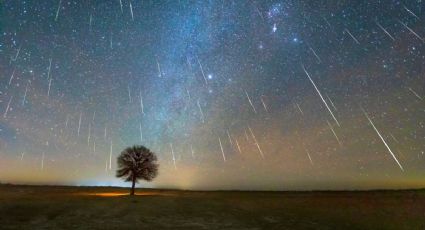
48 207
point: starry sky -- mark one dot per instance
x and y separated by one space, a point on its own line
257 95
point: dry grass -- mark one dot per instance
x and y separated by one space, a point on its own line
43 207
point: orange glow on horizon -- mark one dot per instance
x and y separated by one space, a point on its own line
114 194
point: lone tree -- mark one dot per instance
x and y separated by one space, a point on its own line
135 163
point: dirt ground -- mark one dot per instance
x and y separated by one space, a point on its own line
48 207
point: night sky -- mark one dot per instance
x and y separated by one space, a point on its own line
230 94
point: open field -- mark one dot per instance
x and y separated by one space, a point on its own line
46 207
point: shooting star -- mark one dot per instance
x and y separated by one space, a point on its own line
250 102
141 103
237 145
309 157
89 135
25 94
202 71
315 54
385 31
230 138
110 42
411 12
222 151
200 110
121 6
264 104
172 153
79 125
50 85
7 107
57 11
352 36
129 93
333 131
110 157
131 12
191 151
49 69
320 94
17 54
332 103
42 161
411 31
299 109
12 76
256 142
159 68
246 135
416 94
383 141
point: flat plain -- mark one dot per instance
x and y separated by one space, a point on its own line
56 207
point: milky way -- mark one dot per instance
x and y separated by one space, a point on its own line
229 94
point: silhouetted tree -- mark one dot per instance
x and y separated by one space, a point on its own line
137 162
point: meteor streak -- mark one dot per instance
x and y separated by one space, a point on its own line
202 71
172 153
131 12
200 110
411 31
416 94
264 104
333 131
110 157
320 94
385 31
57 11
383 141
222 151
250 102
256 142
352 36
7 107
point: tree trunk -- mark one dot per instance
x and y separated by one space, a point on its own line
132 186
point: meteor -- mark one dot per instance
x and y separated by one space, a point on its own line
237 145
222 151
309 157
315 54
110 157
79 125
416 94
411 12
383 141
256 142
202 71
200 110
352 36
333 131
141 103
385 31
320 94
264 104
172 153
411 31
191 151
131 12
57 11
11 77
250 102
7 107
